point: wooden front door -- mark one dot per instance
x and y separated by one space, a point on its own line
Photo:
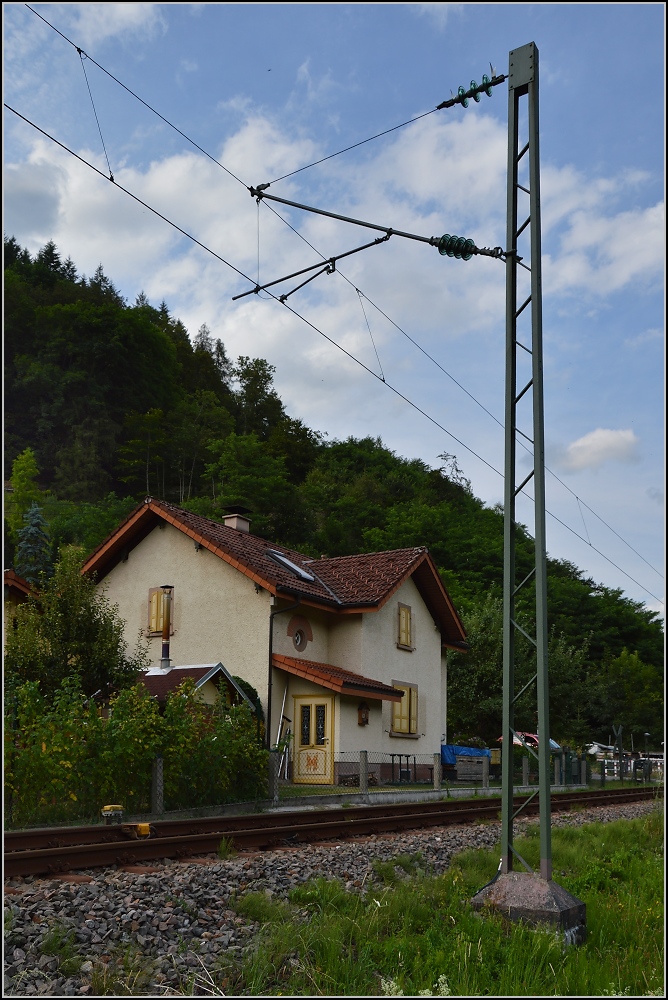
313 745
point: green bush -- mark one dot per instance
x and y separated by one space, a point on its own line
64 760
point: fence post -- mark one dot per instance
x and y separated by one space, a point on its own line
556 770
158 786
437 775
583 769
274 765
562 776
602 772
525 770
485 771
364 773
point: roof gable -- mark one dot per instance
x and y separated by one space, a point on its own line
17 587
160 682
343 584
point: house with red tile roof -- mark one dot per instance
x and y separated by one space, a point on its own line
347 653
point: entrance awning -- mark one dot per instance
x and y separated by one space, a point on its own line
336 678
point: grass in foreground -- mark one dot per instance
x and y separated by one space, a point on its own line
414 933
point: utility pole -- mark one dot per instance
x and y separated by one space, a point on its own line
527 895
523 84
509 891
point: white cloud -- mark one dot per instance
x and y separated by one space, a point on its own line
595 449
317 88
95 22
603 253
427 179
647 337
438 13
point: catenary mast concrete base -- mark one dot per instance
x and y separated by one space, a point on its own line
528 897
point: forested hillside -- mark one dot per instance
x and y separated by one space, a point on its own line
106 402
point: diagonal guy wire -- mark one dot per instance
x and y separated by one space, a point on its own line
81 56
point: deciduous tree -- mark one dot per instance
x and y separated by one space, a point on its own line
71 629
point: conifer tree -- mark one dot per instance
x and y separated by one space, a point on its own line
25 490
32 560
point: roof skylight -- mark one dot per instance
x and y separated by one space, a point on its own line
288 564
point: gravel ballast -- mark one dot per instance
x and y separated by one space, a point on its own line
176 917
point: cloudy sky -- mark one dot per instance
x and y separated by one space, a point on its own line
267 89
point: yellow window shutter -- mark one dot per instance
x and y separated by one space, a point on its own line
155 612
412 693
404 625
400 711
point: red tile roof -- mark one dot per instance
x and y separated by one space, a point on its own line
336 679
17 586
344 583
160 685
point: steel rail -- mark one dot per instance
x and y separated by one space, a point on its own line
47 837
185 838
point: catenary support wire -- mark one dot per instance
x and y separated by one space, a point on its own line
318 331
471 397
285 221
138 98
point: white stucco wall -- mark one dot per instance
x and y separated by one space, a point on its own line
318 648
384 661
345 643
367 644
217 613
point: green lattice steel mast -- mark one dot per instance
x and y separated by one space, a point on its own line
524 333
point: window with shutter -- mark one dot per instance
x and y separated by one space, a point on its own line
405 631
155 612
405 712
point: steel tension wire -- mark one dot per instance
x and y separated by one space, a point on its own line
90 94
360 296
461 98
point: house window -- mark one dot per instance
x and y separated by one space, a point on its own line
156 611
405 636
405 712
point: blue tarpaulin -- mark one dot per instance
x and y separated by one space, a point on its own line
449 753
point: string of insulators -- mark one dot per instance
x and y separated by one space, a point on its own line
456 246
474 91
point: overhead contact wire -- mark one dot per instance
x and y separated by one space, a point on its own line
140 99
129 193
313 327
466 392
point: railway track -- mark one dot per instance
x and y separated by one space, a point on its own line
63 849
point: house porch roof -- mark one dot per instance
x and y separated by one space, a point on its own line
336 678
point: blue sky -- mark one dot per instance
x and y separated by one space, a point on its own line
267 89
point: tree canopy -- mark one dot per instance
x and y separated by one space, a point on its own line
71 630
107 402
